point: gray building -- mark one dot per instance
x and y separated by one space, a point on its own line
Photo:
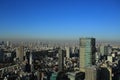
61 60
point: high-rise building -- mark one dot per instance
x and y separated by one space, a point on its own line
103 50
61 60
87 53
67 52
20 53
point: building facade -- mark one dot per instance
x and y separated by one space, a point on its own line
61 60
87 53
91 73
20 53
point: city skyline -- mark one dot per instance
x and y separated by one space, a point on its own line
61 19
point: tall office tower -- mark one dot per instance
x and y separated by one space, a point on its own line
67 52
87 53
20 53
61 60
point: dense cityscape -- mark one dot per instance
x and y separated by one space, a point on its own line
59 40
44 60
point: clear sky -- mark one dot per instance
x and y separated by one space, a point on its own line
60 19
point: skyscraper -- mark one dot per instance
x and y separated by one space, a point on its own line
87 52
20 53
67 52
61 60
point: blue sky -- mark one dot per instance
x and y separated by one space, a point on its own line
60 19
